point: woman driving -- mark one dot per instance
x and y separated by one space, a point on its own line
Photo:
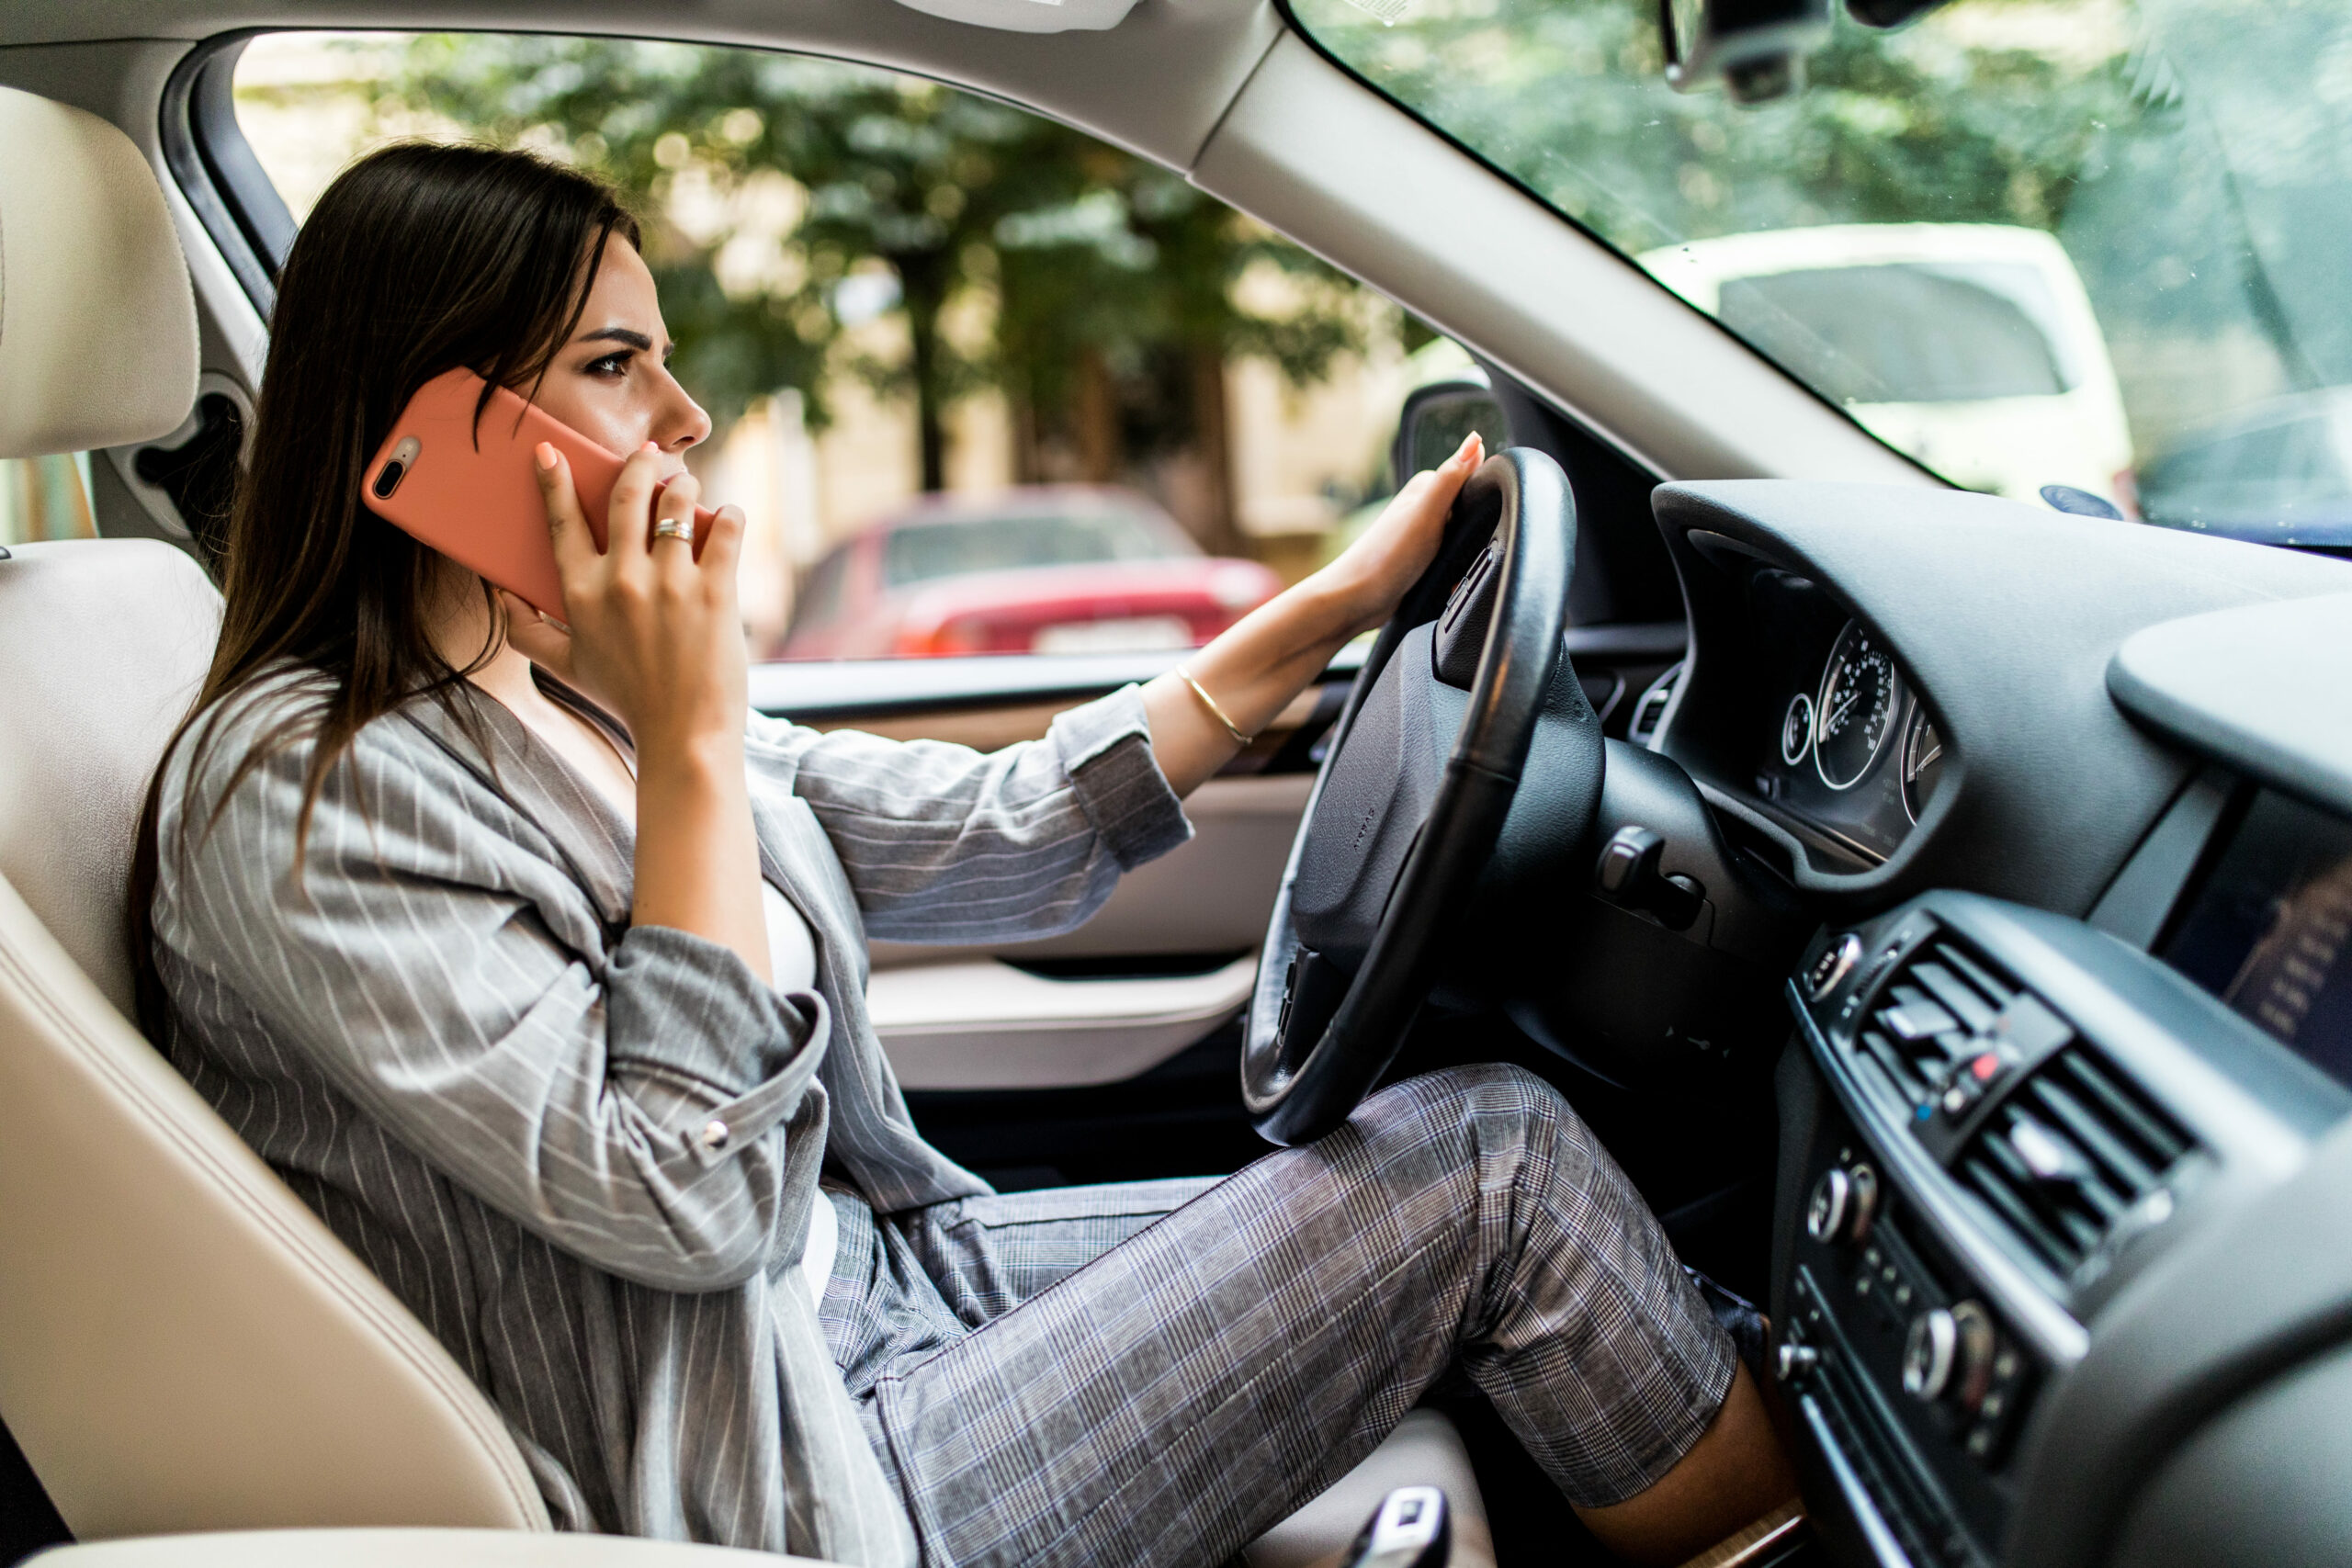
537 965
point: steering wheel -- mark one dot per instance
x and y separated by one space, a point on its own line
1400 827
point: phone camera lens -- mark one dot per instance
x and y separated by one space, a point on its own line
389 479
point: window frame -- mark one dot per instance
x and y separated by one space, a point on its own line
213 164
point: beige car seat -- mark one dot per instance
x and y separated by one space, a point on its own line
183 1346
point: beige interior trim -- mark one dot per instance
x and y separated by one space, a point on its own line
189 1347
1424 1450
405 1549
984 1024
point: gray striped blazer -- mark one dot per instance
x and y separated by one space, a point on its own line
585 1153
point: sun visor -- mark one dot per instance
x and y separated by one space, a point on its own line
1029 16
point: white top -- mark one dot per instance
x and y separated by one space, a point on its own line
792 966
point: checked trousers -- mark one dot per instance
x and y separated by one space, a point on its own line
1155 1372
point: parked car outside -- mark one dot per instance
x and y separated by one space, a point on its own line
1970 346
1040 569
2277 473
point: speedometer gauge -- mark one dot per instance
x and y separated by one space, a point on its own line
1855 710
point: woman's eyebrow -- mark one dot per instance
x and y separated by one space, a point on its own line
623 335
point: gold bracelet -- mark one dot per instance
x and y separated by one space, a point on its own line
1215 712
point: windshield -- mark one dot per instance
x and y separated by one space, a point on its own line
2093 243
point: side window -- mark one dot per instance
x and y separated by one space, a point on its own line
45 498
1069 402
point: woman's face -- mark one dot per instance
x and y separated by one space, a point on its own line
611 382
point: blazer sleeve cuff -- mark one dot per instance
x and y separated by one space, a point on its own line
1106 747
686 1009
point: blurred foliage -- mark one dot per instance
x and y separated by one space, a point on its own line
1578 107
2193 157
788 198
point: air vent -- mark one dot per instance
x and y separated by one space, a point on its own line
1930 1015
1649 708
2071 1153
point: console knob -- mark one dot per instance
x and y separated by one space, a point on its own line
1833 1197
1972 1374
1928 1354
1843 1203
1863 1206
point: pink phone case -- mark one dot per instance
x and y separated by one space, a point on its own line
472 490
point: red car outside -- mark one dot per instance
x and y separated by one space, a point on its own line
1046 569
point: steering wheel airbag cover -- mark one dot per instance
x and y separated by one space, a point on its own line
1368 812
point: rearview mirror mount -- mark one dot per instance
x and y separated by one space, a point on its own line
1756 48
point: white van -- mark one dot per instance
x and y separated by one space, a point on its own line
1972 346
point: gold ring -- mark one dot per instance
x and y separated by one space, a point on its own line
675 528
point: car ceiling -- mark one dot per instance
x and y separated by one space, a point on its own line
1224 92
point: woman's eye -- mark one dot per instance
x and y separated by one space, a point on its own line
611 365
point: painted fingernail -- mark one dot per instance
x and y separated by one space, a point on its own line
650 446
545 453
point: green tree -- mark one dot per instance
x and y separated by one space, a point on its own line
1092 267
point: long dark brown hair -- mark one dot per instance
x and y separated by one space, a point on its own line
418 259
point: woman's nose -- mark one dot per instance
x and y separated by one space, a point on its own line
681 422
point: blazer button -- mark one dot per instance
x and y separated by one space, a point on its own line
714 1135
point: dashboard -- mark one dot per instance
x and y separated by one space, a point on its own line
1852 750
2062 1250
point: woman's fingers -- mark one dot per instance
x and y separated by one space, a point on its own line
575 547
628 526
722 548
541 638
673 525
1374 572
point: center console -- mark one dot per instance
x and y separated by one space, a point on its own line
1993 1121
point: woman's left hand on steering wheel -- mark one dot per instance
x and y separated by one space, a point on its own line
1372 573
1253 670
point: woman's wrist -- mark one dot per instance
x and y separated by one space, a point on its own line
1321 610
704 755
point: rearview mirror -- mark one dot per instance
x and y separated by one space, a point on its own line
1436 418
1754 47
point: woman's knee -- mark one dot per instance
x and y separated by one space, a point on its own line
1502 1109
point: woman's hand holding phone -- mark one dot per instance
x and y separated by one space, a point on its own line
652 628
651 631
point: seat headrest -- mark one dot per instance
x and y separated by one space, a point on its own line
97 322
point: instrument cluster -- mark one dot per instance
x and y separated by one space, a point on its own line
1854 754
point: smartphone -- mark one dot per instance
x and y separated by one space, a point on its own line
469 487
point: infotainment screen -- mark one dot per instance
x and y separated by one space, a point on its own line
2268 932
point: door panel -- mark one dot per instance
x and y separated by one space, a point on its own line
1211 896
983 1023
